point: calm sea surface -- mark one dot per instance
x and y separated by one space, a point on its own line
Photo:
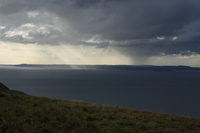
167 92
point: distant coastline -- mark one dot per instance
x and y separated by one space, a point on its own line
117 67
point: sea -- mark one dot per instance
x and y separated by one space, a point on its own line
175 92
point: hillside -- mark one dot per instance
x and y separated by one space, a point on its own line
21 113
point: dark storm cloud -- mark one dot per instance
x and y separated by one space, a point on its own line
132 19
136 27
85 3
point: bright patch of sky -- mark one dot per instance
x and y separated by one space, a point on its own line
160 38
14 53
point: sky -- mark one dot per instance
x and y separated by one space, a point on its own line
108 32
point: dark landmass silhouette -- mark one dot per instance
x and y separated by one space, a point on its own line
3 87
116 67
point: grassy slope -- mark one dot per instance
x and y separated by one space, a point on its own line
28 114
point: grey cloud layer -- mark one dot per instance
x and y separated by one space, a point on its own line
133 25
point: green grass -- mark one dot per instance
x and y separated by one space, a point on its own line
20 113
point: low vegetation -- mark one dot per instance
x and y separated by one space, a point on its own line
21 113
